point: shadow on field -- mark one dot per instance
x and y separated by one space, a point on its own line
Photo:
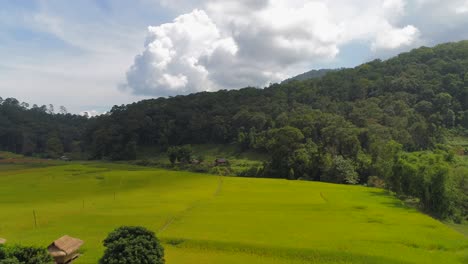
305 255
390 200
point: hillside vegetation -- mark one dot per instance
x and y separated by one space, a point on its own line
384 123
410 99
313 74
209 219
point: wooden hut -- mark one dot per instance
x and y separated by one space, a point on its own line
65 158
65 249
221 161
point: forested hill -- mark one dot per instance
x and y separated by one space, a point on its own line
38 130
313 74
381 123
409 99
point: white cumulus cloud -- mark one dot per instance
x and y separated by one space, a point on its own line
392 38
171 62
232 44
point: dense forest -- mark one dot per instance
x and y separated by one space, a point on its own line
382 123
38 130
310 75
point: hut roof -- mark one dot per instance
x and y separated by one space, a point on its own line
2 241
64 246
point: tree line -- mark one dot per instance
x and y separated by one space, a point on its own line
348 126
38 130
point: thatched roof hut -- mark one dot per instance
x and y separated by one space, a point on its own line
65 249
221 161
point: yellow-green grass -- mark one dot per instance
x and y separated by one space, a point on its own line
210 219
462 228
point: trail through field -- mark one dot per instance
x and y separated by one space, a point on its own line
220 186
323 197
184 212
213 219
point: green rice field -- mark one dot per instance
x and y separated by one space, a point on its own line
212 219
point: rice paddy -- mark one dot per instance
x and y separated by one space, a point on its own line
205 218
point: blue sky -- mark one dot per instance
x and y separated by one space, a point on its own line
91 54
72 53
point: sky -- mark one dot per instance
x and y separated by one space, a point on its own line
89 55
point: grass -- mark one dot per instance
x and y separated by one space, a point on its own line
460 227
458 143
210 219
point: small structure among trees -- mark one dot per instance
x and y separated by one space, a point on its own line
221 162
2 241
65 158
65 249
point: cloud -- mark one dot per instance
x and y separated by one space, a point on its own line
75 53
170 63
231 44
392 38
463 8
72 53
90 113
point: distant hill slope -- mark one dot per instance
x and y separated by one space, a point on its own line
313 74
409 99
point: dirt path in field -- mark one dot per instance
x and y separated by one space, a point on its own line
220 186
189 208
323 197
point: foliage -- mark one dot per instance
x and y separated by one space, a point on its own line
429 177
348 122
54 147
24 255
181 154
375 181
310 75
344 171
410 100
37 131
129 244
458 193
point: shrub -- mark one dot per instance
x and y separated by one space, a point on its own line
375 181
144 162
342 171
24 255
2 253
223 171
129 244
9 261
181 154
252 171
200 168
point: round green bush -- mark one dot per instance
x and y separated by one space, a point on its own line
132 244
